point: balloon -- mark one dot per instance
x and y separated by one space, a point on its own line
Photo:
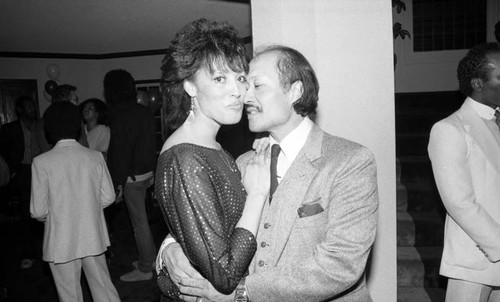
53 71
50 87
155 100
47 96
142 98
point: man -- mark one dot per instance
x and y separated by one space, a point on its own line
318 229
15 148
465 152
71 186
131 161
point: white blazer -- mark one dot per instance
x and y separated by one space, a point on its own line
466 163
70 187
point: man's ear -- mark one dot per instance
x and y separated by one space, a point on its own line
190 88
296 90
477 84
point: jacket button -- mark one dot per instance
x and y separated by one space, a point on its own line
263 244
261 263
267 225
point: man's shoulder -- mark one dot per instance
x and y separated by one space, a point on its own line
454 121
337 147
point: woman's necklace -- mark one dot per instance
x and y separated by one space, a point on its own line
223 156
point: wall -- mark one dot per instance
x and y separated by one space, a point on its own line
349 43
431 71
87 75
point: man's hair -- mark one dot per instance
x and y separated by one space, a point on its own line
292 66
199 44
100 107
475 65
119 87
63 93
62 121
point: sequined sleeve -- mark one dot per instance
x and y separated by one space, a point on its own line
202 201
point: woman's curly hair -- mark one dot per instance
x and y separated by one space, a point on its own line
199 44
475 65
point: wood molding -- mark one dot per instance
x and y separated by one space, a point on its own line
79 56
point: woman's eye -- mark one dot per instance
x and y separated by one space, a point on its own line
242 79
220 79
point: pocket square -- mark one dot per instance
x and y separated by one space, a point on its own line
310 209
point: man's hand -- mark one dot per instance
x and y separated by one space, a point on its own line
119 194
177 264
191 288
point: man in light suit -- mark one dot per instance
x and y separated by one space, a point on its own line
70 187
317 230
465 152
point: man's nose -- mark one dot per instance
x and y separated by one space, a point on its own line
249 96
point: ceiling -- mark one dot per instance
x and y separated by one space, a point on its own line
98 27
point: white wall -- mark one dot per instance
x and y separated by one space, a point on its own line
349 43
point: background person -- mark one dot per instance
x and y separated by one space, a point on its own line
95 117
15 148
131 162
464 149
71 186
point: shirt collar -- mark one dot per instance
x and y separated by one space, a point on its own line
482 110
295 140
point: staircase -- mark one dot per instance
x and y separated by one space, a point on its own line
420 216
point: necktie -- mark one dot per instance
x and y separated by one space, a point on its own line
275 152
497 116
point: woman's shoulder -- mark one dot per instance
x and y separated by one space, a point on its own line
183 152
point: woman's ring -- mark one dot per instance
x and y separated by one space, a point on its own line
199 299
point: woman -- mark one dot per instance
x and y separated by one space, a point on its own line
198 184
94 113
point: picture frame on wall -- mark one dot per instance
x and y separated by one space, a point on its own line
10 91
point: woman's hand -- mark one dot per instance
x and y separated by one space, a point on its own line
256 175
260 143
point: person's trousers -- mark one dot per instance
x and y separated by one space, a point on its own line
466 291
135 199
67 279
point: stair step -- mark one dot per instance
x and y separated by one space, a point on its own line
410 268
421 294
411 122
419 267
420 229
401 198
423 196
415 167
412 144
435 102
412 294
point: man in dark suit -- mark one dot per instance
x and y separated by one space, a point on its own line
131 162
15 148
318 228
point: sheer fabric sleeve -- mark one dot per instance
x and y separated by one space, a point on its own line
195 210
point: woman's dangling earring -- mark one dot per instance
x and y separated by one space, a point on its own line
191 110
